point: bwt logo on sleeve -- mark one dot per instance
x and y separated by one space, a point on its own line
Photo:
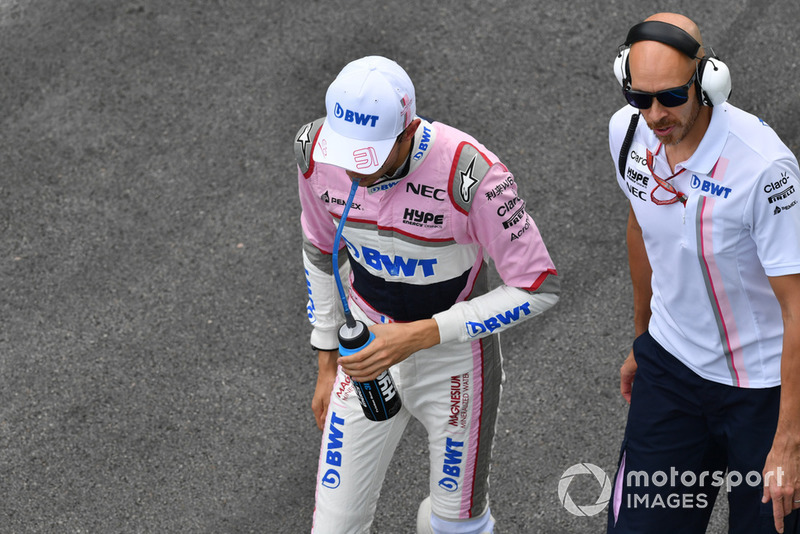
353 116
499 320
310 307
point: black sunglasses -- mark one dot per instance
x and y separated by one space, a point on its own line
669 98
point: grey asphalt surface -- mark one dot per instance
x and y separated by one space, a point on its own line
155 374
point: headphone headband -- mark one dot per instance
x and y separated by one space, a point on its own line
663 32
713 76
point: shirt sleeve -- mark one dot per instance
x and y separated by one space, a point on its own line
774 220
494 312
325 309
617 130
499 222
324 306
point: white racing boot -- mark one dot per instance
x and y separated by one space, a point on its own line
427 523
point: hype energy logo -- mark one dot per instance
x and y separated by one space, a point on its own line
355 117
590 509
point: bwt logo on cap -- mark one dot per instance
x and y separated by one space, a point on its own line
355 117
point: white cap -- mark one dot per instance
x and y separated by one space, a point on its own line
369 103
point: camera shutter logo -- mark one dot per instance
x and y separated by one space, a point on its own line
584 469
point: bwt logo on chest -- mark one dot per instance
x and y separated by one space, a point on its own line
353 116
710 187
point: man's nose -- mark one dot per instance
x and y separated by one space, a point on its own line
655 112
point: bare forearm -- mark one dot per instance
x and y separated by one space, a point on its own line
789 416
783 460
787 291
393 343
424 334
641 274
327 361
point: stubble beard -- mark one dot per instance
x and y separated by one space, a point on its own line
681 128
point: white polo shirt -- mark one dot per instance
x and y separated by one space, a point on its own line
713 307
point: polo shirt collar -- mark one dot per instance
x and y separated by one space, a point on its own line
710 148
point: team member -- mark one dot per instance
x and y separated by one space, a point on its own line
714 251
432 204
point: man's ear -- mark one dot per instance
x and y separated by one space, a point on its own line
411 129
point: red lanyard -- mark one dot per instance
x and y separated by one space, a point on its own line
677 195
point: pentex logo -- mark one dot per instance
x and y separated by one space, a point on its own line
355 117
779 209
584 469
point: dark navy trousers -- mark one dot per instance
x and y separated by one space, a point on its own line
686 439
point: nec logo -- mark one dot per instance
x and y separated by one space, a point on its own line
397 266
353 116
710 187
498 321
426 191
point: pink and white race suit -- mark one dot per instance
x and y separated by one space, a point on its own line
417 247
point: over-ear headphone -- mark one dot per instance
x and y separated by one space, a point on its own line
713 76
